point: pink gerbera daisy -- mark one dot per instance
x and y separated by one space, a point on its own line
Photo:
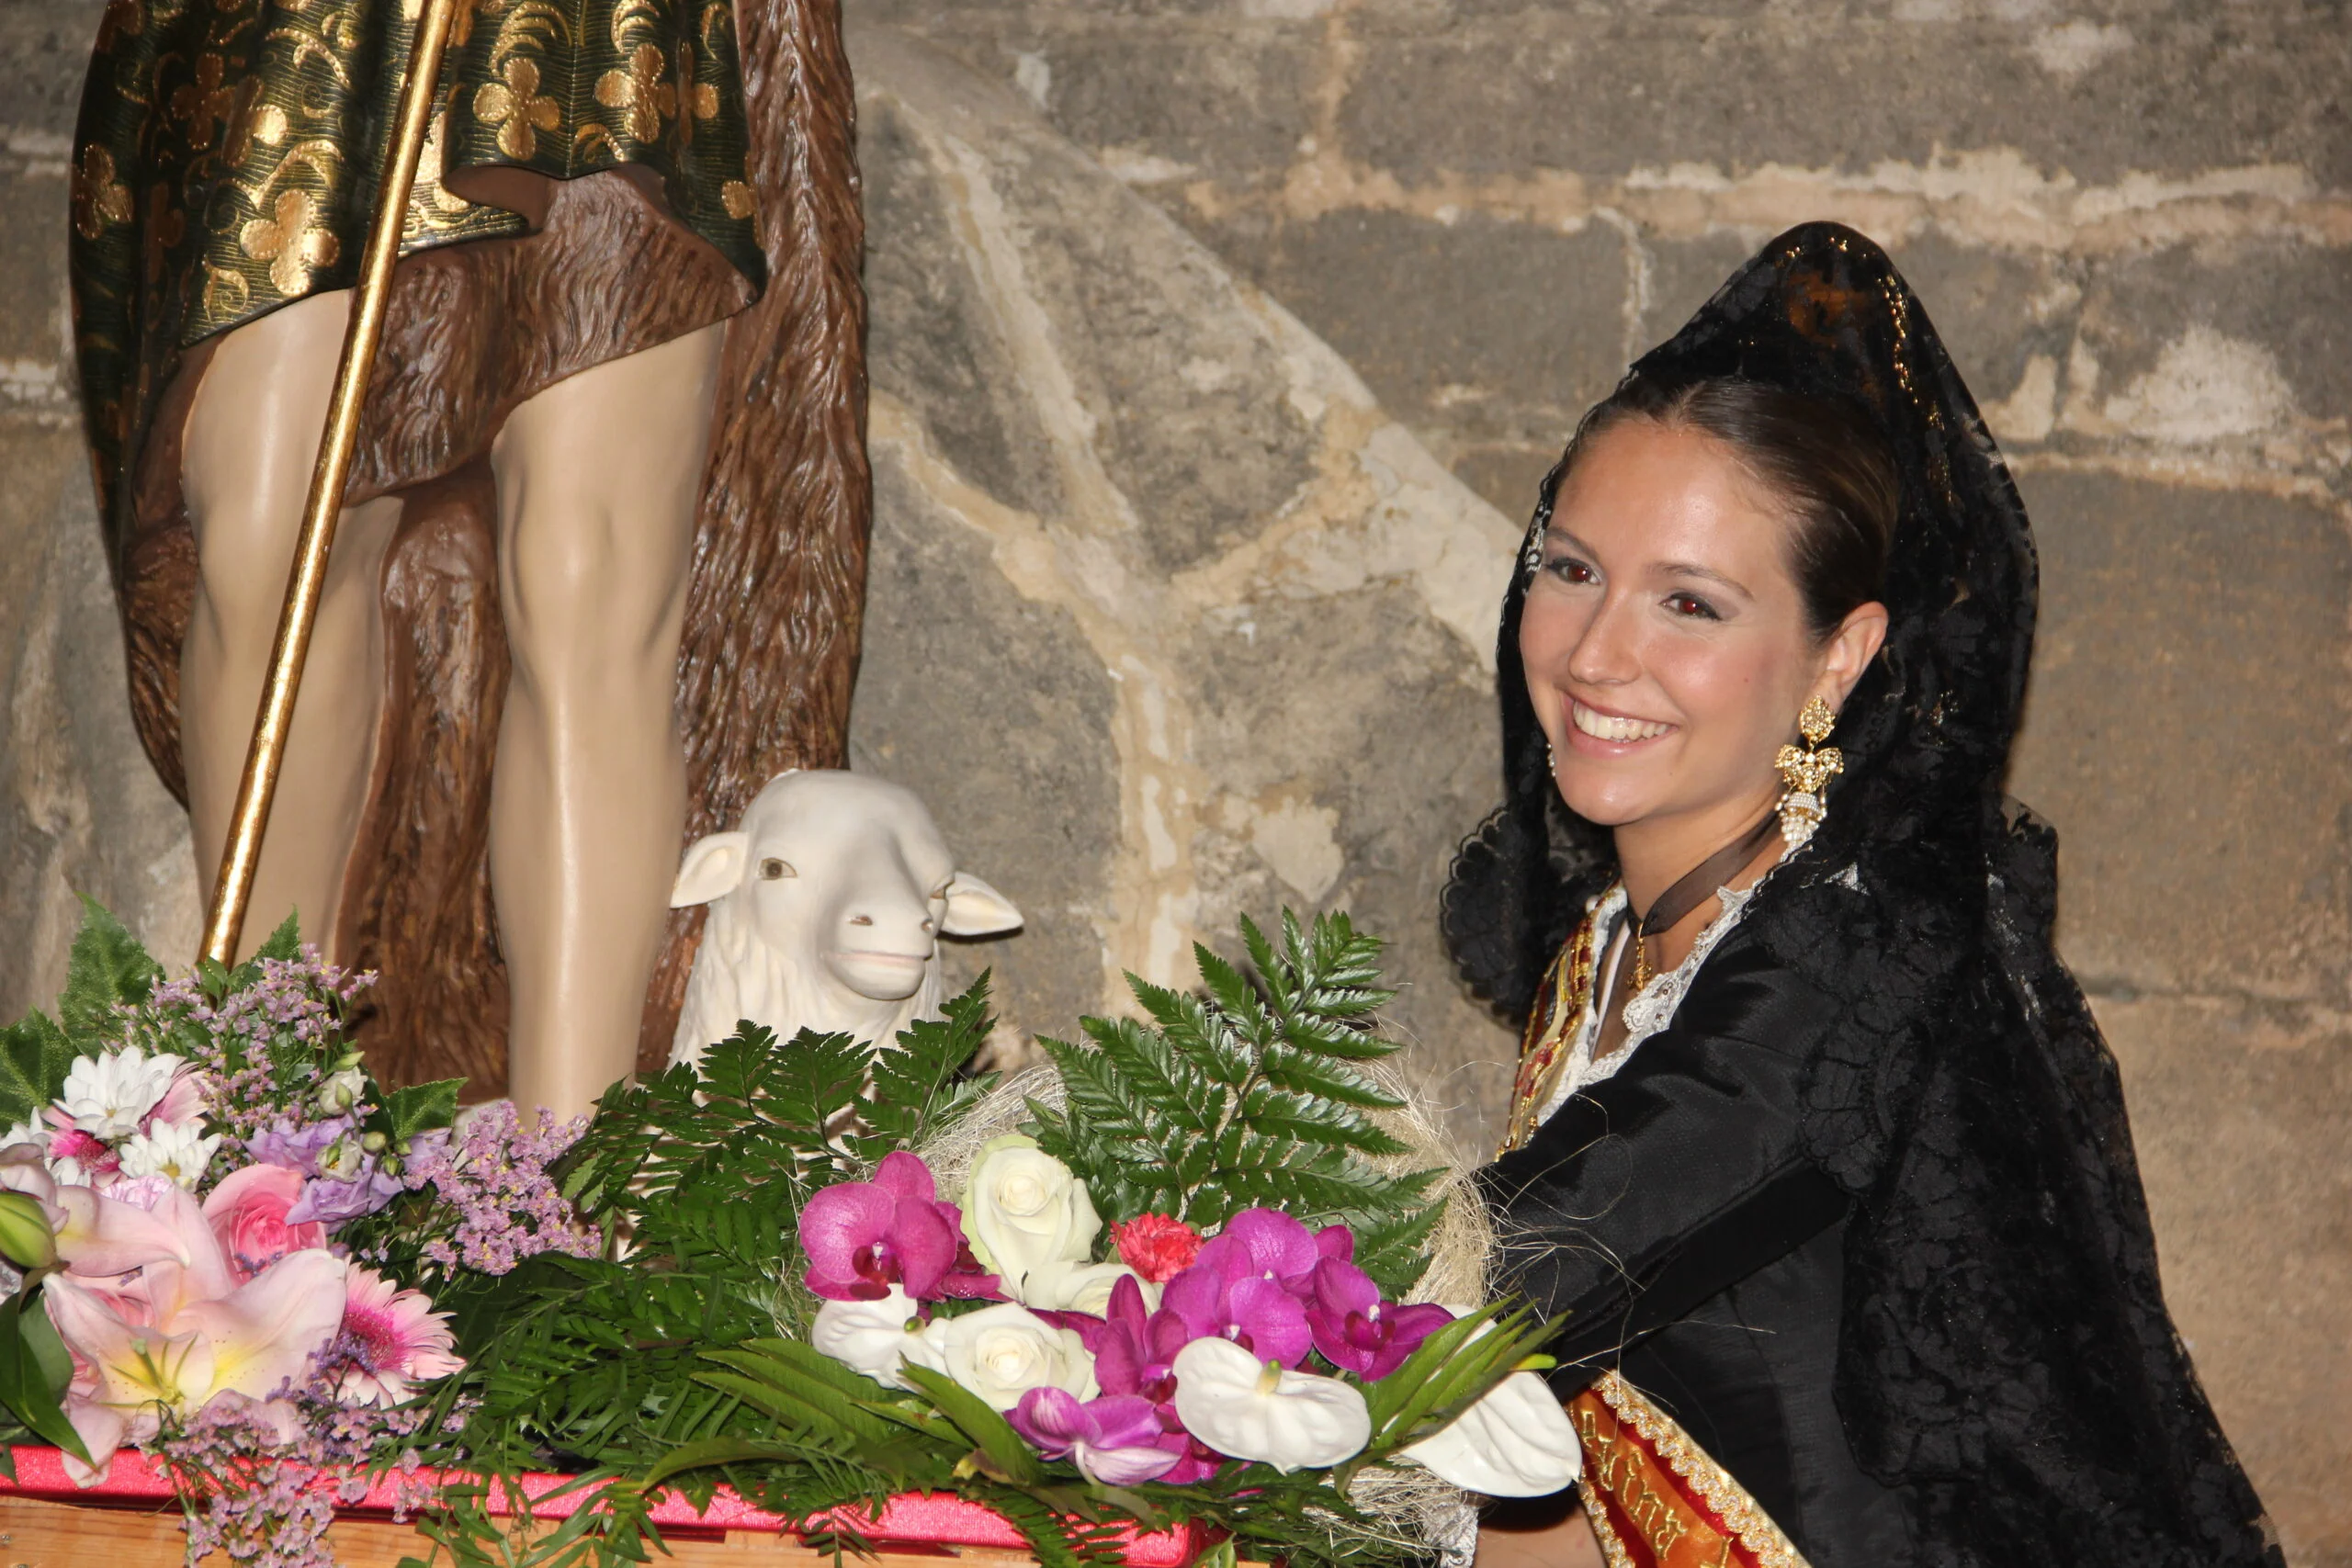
390 1339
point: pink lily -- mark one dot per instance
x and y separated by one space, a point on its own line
184 1332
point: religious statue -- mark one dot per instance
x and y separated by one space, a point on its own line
598 571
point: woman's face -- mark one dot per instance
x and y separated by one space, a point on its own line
1664 637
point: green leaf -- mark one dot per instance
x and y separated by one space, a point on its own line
715 1451
423 1107
285 943
1005 1449
34 1370
34 1060
107 968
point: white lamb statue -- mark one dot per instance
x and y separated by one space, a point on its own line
826 907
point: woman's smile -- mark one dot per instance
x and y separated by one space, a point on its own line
1608 734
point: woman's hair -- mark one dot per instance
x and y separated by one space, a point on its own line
1822 458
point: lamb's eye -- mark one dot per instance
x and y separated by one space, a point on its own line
775 870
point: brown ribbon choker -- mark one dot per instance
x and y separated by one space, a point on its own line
1707 877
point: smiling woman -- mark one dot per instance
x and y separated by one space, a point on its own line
1813 1144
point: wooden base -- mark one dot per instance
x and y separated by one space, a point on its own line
35 1533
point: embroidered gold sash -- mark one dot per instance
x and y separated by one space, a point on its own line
1654 1497
1544 1050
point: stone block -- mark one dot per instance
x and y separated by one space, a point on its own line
1486 328
2185 732
36 374
2228 1101
1604 92
44 51
81 811
2289 307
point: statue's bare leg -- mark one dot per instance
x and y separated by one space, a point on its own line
252 437
598 481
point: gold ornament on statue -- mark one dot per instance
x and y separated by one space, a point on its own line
1807 773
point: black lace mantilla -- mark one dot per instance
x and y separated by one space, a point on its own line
2005 1356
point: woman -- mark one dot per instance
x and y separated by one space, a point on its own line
1814 1142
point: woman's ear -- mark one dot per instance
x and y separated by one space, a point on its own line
1852 648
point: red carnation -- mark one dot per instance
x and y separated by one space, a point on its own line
1157 1246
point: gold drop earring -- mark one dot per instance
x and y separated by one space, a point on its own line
1807 773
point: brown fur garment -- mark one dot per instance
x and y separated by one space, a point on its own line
775 600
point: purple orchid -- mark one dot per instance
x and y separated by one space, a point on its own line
1356 1331
1269 1244
861 1238
1132 1349
1253 1310
1114 1440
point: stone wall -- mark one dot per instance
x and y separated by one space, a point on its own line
1218 346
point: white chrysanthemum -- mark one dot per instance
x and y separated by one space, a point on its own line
172 1149
25 1133
107 1096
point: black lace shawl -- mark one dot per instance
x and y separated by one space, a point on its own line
2005 1356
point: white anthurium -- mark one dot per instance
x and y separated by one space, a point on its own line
872 1336
1515 1442
1001 1352
1078 1287
1023 1210
1254 1410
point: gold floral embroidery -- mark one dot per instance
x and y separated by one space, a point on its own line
736 198
99 200
204 103
289 241
124 18
696 100
516 106
643 90
253 121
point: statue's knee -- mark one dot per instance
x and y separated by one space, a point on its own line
582 599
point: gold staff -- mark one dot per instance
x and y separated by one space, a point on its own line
259 784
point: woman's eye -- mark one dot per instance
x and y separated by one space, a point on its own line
1568 568
1692 607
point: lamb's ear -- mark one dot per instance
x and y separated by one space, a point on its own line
712 869
974 909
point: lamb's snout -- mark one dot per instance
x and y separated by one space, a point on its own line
882 944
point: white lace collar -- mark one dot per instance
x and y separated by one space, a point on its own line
1649 1012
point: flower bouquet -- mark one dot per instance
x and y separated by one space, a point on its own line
1184 1277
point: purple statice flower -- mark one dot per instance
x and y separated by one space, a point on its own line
1113 1440
493 1174
1356 1331
863 1237
264 1476
298 1001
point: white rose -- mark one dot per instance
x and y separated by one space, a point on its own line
1001 1352
1023 1210
872 1337
1078 1287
